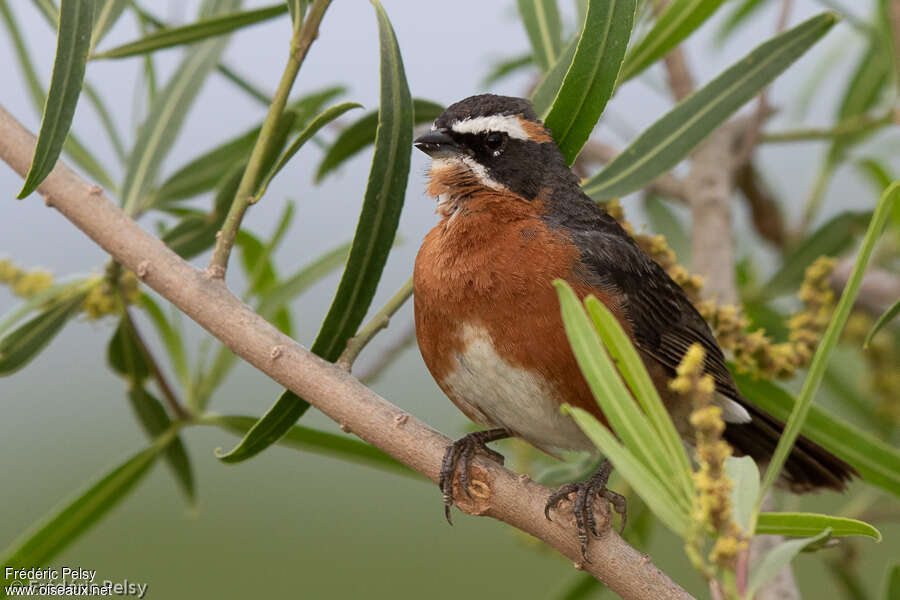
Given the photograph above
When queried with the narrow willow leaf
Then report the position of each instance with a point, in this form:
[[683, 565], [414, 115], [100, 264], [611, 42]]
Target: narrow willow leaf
[[73, 40], [267, 430], [891, 586], [107, 120], [590, 80], [310, 130], [50, 296], [76, 150], [166, 116], [505, 68], [65, 523], [360, 134], [104, 18], [877, 462], [545, 93], [152, 416], [170, 336], [744, 475], [671, 138], [809, 524], [544, 29], [374, 236], [125, 356], [205, 172], [195, 32], [645, 483], [294, 285], [679, 20], [665, 222], [829, 339], [742, 12], [616, 403], [21, 345], [776, 559], [632, 368], [889, 315], [320, 442], [831, 239], [297, 8]]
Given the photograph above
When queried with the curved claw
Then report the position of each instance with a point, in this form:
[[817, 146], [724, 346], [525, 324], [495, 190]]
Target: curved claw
[[586, 494], [459, 455]]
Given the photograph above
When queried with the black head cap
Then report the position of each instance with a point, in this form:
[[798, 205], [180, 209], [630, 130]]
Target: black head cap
[[486, 105]]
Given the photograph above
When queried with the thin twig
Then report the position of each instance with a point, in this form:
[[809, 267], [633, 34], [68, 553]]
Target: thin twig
[[856, 124], [504, 495], [389, 355], [380, 321], [177, 409], [300, 45]]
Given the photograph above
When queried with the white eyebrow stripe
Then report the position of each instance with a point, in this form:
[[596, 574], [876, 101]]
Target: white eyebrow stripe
[[508, 124]]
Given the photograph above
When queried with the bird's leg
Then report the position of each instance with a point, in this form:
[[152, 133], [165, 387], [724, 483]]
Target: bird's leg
[[460, 454], [586, 494]]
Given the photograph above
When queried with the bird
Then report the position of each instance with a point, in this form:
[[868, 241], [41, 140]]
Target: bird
[[512, 219]]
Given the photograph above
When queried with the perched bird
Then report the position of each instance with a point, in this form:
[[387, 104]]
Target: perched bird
[[513, 218]]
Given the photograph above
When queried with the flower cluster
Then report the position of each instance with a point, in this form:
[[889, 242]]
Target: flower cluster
[[883, 356], [712, 503], [102, 298], [25, 284]]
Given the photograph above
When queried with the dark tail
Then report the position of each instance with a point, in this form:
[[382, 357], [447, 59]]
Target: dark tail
[[809, 467]]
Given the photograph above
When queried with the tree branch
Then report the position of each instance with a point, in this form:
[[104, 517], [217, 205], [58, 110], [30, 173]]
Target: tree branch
[[505, 496]]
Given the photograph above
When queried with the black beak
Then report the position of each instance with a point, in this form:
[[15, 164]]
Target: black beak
[[435, 142]]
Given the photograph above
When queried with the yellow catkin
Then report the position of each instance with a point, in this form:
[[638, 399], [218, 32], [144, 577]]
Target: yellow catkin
[[712, 509], [22, 283]]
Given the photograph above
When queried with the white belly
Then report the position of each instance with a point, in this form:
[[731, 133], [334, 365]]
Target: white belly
[[508, 396]]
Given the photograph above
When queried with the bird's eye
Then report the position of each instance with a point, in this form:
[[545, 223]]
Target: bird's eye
[[494, 140]]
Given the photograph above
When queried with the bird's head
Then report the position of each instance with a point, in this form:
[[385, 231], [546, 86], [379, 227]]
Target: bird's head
[[496, 142]]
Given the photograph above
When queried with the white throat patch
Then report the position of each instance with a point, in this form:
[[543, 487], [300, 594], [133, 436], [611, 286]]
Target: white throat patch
[[478, 170], [508, 124]]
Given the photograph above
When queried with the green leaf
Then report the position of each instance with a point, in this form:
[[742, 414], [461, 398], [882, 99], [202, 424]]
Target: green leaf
[[829, 339], [544, 29], [310, 130], [76, 150], [170, 336], [679, 20], [891, 587], [104, 18], [505, 68], [291, 287], [165, 118], [125, 354], [545, 93], [671, 138], [205, 172], [65, 523], [831, 239], [297, 8], [374, 232], [877, 462], [637, 432], [21, 345], [778, 558], [739, 15], [632, 368], [73, 40], [638, 476], [323, 443], [809, 524], [590, 80], [267, 430], [883, 320], [50, 296], [195, 32], [360, 134], [744, 474], [156, 422]]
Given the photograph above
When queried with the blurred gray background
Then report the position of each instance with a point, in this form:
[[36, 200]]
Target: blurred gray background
[[287, 523]]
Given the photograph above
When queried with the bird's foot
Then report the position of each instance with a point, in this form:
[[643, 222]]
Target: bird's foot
[[586, 494], [459, 454]]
